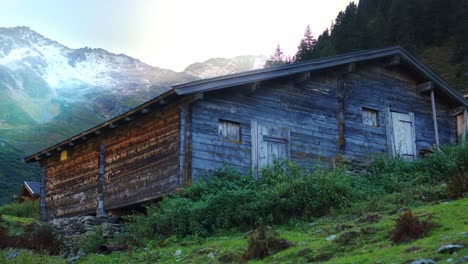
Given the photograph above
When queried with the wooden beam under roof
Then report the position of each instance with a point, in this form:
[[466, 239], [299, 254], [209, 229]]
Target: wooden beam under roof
[[425, 87]]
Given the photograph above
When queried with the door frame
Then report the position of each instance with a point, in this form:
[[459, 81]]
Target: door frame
[[254, 138], [389, 127]]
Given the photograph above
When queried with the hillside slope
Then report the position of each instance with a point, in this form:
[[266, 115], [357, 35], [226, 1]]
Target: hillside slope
[[332, 239]]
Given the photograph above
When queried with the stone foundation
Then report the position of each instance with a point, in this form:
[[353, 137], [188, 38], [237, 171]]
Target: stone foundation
[[71, 230]]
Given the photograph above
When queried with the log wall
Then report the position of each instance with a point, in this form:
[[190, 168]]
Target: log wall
[[141, 164]]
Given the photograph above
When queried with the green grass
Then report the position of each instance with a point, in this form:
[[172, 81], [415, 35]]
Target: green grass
[[27, 257], [372, 245]]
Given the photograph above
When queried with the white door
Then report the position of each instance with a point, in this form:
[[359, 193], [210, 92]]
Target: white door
[[403, 135], [269, 142]]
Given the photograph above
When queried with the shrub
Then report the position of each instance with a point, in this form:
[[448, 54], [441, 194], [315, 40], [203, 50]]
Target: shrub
[[92, 242], [457, 185], [409, 228], [227, 199], [38, 237], [26, 209], [263, 242]]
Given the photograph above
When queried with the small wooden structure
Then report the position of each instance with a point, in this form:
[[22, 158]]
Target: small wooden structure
[[30, 191], [348, 108]]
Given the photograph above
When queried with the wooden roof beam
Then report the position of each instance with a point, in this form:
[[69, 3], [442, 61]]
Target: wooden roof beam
[[425, 87], [456, 111]]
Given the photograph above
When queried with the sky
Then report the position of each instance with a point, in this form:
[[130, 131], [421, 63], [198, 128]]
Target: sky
[[172, 34]]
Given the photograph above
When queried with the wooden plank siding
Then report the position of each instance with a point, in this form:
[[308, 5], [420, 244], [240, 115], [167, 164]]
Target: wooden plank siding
[[141, 164], [310, 110], [142, 159], [313, 130]]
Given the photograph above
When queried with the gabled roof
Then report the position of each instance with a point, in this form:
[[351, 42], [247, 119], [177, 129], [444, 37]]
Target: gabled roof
[[33, 188], [221, 82], [231, 80]]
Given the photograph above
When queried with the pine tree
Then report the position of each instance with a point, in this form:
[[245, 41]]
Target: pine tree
[[306, 46], [276, 59]]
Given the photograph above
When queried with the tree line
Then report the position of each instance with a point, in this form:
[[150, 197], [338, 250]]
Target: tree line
[[412, 24]]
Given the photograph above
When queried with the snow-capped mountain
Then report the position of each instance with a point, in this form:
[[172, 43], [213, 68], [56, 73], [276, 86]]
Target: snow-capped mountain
[[222, 66], [41, 75]]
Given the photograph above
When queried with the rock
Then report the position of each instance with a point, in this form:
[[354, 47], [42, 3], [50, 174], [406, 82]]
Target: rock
[[450, 248], [12, 253], [211, 255], [412, 249], [344, 227], [71, 230], [178, 253], [347, 237], [78, 256], [370, 218], [330, 238], [463, 260], [207, 250], [449, 260], [313, 224], [423, 261]]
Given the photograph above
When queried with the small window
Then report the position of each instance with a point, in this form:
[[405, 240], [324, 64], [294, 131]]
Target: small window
[[63, 155], [370, 117], [229, 130]]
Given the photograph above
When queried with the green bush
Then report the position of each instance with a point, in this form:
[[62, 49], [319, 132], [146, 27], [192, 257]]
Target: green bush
[[92, 242], [26, 209], [226, 199]]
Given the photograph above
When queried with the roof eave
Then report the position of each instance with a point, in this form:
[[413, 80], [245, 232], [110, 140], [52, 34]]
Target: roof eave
[[90, 132], [221, 82]]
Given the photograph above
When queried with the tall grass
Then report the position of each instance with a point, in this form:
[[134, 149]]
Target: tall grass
[[26, 209]]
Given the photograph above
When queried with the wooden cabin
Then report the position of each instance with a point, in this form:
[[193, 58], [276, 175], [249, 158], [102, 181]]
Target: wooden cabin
[[351, 108], [30, 191]]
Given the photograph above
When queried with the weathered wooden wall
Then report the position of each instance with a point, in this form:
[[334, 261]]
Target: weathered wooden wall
[[71, 183], [142, 159], [310, 109], [377, 87], [141, 164]]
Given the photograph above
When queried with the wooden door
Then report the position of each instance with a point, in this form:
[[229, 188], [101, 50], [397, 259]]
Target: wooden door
[[403, 135], [269, 142]]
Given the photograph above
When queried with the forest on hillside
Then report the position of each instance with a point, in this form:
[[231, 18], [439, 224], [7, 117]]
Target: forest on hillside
[[436, 31]]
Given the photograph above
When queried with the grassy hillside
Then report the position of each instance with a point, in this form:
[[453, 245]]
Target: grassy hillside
[[358, 238]]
